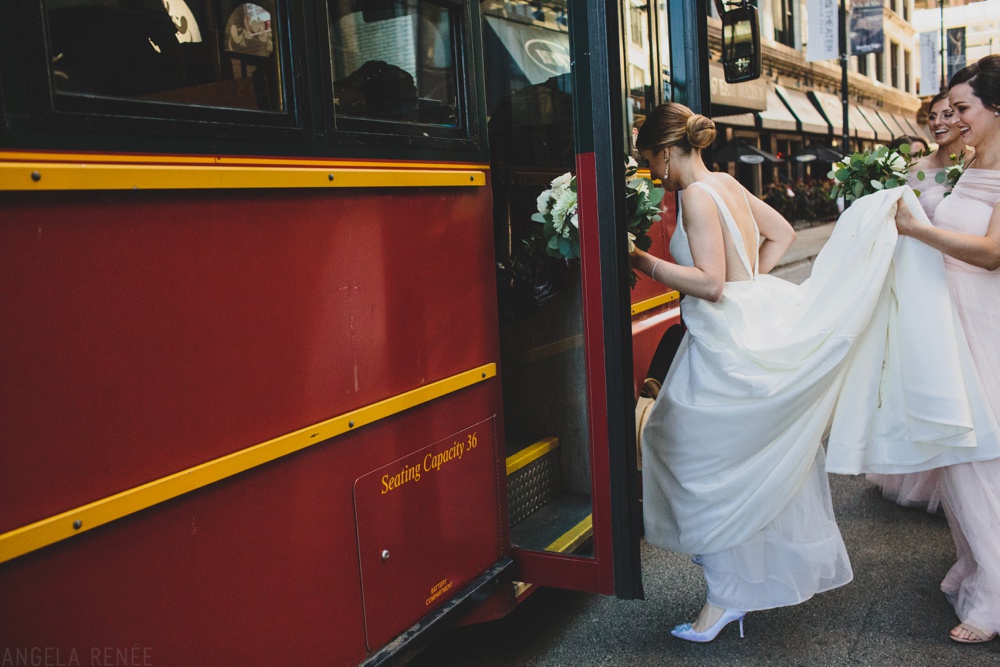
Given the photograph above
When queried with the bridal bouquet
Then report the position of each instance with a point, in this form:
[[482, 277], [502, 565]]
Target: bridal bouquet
[[950, 174], [865, 173], [558, 214]]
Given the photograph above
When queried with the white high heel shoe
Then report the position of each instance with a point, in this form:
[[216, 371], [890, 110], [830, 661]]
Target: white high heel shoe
[[687, 632]]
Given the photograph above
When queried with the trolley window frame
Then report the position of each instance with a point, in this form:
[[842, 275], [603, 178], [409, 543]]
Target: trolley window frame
[[367, 131], [54, 110]]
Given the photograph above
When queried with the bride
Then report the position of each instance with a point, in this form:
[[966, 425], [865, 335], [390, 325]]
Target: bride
[[728, 474]]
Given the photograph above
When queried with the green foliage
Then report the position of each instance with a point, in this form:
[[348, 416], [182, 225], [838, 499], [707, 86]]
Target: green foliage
[[865, 173]]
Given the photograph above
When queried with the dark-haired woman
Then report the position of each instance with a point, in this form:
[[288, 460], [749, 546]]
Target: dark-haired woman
[[967, 230], [724, 476]]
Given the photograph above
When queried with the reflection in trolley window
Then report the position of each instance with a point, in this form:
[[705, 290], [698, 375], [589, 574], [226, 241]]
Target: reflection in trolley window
[[214, 53], [395, 60]]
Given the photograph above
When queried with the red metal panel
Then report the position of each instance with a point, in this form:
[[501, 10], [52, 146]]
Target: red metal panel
[[144, 333], [427, 525], [261, 569]]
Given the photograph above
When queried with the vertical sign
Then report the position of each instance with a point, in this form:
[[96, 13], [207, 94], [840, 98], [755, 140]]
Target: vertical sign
[[930, 63], [956, 50], [824, 30], [866, 27]]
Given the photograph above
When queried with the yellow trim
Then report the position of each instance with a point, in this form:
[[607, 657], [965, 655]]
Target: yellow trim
[[231, 161], [573, 537], [81, 519], [31, 176], [531, 453], [649, 304]]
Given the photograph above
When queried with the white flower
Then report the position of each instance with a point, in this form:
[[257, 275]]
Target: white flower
[[574, 217], [543, 201], [631, 163], [631, 242], [640, 185], [896, 162], [562, 181], [565, 200]]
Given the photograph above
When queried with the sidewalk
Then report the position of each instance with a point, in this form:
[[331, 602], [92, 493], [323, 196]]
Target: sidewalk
[[797, 263]]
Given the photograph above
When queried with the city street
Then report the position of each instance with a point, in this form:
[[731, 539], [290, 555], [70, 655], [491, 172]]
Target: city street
[[891, 614]]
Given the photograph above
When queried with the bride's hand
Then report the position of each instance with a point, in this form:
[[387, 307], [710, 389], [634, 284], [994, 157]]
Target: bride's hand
[[906, 222]]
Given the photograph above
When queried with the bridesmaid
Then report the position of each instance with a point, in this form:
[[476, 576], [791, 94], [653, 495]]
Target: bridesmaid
[[919, 489], [967, 230]]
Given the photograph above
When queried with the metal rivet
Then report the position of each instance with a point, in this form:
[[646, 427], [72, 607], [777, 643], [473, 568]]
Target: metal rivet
[[77, 525], [472, 178], [330, 177], [36, 176], [351, 423], [484, 374], [385, 554]]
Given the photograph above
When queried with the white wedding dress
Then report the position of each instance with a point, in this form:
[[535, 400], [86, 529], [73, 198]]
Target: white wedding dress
[[732, 457]]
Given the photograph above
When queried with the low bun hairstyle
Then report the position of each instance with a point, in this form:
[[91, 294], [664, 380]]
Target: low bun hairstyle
[[673, 124], [983, 76]]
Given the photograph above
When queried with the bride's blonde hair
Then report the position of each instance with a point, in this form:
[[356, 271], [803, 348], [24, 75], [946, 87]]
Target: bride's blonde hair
[[673, 124]]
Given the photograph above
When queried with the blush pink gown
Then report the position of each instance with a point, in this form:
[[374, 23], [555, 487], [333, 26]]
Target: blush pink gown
[[916, 489], [970, 492]]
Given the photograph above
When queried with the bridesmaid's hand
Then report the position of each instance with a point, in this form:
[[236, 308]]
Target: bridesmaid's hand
[[906, 222]]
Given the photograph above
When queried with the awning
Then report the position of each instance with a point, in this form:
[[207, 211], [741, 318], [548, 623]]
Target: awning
[[809, 118], [893, 122], [740, 120], [735, 98], [832, 109], [775, 117], [882, 132], [859, 125], [918, 130]]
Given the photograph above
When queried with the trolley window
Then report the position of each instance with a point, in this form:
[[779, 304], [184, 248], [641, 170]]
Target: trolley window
[[396, 66], [206, 53]]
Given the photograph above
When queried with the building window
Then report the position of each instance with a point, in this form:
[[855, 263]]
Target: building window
[[906, 72], [880, 67], [863, 64], [894, 64], [783, 12]]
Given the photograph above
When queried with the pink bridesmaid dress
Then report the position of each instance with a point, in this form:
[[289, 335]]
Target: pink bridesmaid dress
[[970, 492]]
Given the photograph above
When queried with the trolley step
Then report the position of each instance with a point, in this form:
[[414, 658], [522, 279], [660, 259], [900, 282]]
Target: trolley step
[[532, 476], [563, 525], [541, 516]]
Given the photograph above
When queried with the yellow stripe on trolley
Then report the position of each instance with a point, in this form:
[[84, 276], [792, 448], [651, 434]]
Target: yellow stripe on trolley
[[62, 526], [531, 453], [649, 304], [574, 537], [31, 176]]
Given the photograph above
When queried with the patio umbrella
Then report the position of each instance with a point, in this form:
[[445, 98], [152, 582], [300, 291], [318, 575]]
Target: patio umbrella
[[739, 150], [819, 152]]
